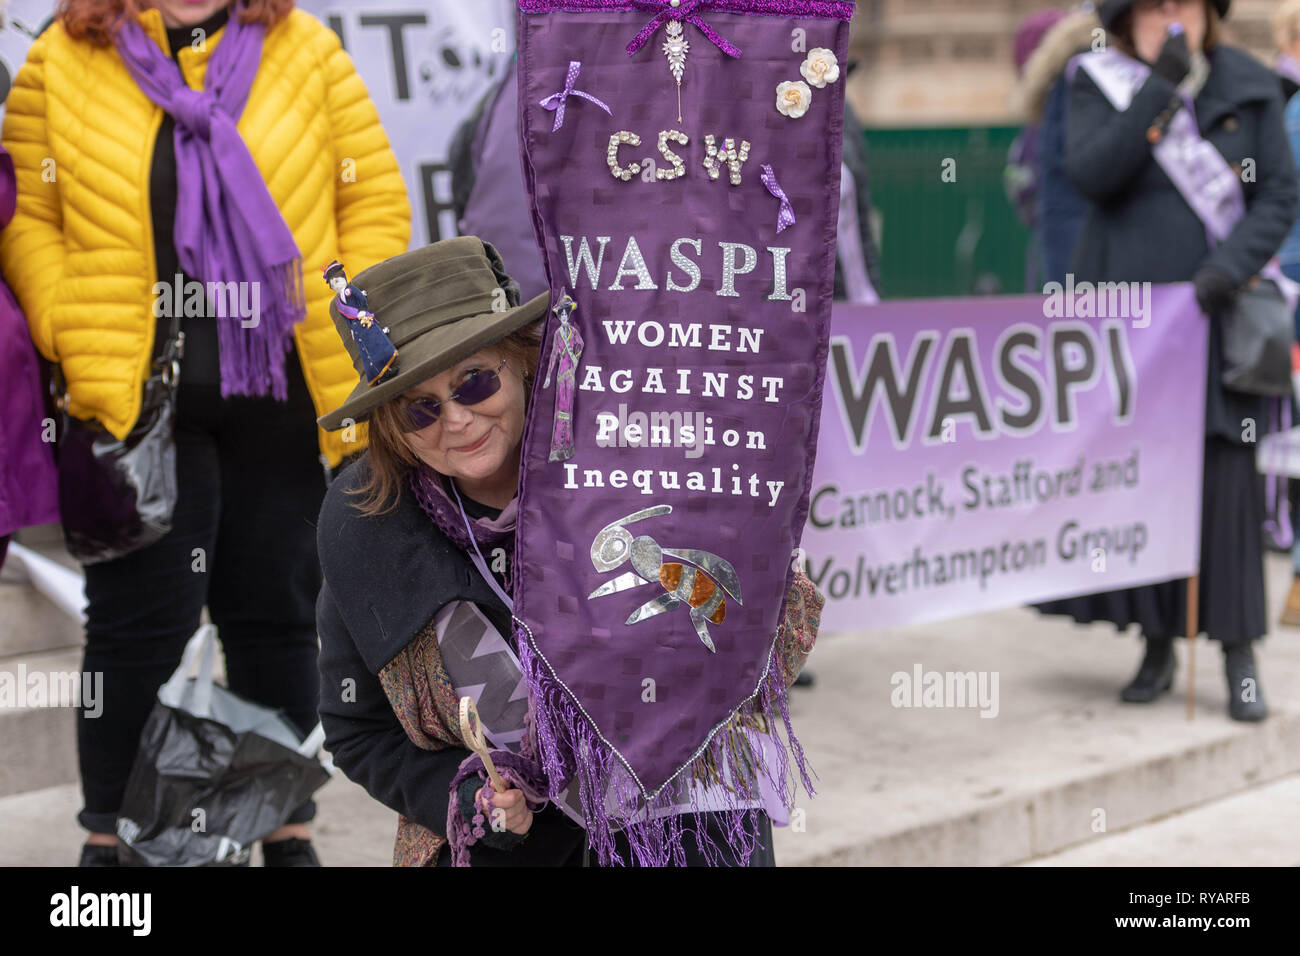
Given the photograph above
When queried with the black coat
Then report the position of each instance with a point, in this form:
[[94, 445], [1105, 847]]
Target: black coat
[[385, 577], [1139, 228]]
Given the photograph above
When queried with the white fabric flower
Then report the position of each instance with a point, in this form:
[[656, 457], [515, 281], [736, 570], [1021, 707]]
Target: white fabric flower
[[821, 67], [793, 98]]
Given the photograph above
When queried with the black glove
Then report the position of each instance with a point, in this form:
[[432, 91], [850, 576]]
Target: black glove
[[1174, 61], [1215, 290]]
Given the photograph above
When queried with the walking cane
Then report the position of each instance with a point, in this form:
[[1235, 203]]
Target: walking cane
[[471, 731], [1193, 628]]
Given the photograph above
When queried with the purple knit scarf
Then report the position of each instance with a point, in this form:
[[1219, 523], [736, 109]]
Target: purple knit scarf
[[432, 495], [228, 228]]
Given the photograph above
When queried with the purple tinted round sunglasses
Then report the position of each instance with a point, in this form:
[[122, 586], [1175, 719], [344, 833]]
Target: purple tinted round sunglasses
[[478, 387]]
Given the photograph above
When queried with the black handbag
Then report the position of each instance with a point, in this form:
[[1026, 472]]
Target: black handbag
[[1257, 337], [117, 495]]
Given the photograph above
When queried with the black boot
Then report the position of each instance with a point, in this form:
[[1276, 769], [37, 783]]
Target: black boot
[[291, 852], [92, 854], [1155, 676], [1245, 695]]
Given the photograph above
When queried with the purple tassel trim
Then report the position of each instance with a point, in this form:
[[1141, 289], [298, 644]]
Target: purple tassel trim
[[253, 357], [816, 9], [570, 750]]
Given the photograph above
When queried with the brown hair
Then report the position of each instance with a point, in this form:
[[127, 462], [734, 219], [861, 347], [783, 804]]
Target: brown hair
[[95, 20], [391, 458], [1122, 30]]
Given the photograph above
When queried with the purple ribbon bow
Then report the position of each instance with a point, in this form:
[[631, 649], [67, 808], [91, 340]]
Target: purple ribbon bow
[[556, 101], [785, 218], [675, 10]]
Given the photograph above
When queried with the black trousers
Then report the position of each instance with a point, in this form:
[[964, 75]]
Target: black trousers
[[250, 485]]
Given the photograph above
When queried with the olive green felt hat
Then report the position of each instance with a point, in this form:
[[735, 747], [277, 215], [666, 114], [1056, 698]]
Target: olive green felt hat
[[440, 303]]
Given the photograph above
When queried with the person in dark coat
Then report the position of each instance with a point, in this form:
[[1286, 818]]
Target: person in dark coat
[[376, 537], [1020, 176], [1043, 97], [397, 552], [1139, 228], [366, 615]]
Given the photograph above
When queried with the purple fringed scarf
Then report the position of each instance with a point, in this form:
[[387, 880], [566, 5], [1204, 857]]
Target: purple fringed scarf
[[431, 494], [228, 228]]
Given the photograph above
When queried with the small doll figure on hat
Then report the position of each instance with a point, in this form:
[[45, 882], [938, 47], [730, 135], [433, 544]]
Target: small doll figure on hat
[[378, 354]]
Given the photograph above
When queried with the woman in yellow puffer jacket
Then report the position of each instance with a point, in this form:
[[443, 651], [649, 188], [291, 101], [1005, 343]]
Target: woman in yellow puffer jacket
[[150, 162]]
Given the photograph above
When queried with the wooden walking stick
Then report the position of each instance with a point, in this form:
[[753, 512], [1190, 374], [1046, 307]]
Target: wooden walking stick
[[471, 731], [1193, 628]]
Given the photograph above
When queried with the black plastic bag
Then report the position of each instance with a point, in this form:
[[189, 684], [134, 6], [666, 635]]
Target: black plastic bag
[[214, 772]]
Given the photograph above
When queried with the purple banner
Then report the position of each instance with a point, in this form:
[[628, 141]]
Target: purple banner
[[668, 455], [986, 453]]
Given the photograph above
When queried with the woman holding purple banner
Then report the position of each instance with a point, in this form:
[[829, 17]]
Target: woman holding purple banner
[[1149, 221], [435, 500]]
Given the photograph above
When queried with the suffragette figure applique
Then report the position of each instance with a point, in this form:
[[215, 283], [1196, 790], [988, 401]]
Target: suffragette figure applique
[[566, 352], [682, 159], [378, 354]]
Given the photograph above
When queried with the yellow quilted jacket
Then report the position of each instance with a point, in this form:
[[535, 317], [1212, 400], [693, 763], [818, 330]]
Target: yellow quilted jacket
[[79, 251]]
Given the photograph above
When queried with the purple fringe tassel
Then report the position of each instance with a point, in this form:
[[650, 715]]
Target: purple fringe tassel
[[654, 831], [252, 358]]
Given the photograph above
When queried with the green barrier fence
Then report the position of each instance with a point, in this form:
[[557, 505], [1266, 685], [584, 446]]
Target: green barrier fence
[[941, 238]]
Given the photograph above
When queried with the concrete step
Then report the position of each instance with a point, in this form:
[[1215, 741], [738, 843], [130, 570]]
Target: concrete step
[[1260, 827], [946, 787], [28, 622], [31, 624], [898, 785], [38, 744], [39, 828]]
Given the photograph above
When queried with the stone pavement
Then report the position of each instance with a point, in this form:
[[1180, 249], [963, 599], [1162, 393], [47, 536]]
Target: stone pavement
[[1063, 774]]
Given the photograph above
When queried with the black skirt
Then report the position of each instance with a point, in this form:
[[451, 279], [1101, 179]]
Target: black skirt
[[1232, 606]]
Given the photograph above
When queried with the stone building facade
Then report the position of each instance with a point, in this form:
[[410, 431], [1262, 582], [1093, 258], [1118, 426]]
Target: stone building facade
[[949, 62]]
